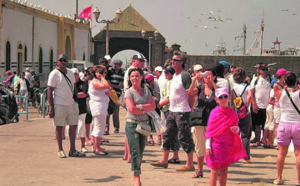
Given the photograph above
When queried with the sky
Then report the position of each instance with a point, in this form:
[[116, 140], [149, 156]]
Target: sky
[[191, 24]]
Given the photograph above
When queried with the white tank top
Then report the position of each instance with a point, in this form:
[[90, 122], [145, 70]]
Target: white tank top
[[288, 111]]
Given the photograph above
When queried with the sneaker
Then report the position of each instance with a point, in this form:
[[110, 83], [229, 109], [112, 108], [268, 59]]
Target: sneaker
[[76, 154], [61, 154], [84, 150], [116, 131]]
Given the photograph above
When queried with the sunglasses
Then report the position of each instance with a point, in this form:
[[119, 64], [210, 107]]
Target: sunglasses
[[141, 60], [63, 60], [167, 73], [225, 97], [264, 69], [176, 60]]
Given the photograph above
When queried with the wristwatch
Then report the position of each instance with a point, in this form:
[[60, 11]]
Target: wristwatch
[[141, 106]]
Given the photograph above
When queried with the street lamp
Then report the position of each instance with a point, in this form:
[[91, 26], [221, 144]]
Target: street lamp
[[156, 33], [116, 20]]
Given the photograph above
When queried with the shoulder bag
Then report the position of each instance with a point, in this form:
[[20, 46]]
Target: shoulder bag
[[288, 94], [75, 97]]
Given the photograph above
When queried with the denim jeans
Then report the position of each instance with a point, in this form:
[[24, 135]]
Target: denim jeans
[[137, 143]]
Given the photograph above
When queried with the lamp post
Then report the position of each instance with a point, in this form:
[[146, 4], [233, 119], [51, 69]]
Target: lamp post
[[156, 33], [119, 14]]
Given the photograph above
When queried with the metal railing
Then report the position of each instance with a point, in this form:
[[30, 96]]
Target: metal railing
[[44, 102], [26, 104]]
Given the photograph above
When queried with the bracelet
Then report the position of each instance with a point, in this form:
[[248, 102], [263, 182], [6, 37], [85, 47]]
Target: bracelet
[[141, 106]]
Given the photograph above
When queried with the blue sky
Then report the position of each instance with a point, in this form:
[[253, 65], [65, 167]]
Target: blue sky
[[187, 22]]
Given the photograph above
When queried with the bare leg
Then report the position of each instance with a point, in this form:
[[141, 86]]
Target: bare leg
[[200, 161], [87, 132], [282, 151], [257, 134], [137, 180], [297, 155], [213, 177], [72, 136], [189, 162], [264, 140], [58, 131], [270, 138], [82, 140], [165, 156], [63, 132], [176, 154], [223, 176]]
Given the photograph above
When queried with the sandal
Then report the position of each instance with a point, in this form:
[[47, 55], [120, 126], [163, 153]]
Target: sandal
[[174, 160], [198, 174], [103, 153], [275, 182], [89, 143], [150, 143], [76, 154], [105, 140], [253, 141], [256, 144]]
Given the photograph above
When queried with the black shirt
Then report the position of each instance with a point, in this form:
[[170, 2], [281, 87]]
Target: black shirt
[[81, 101]]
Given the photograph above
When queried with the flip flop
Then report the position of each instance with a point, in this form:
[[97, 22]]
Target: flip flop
[[277, 182], [150, 143], [103, 153], [174, 161], [198, 174]]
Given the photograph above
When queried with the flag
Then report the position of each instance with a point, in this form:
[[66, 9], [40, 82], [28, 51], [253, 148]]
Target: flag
[[86, 13]]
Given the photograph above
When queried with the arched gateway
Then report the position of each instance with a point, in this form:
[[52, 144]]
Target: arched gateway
[[127, 35]]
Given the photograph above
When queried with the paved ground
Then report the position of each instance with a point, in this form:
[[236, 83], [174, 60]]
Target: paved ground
[[28, 157]]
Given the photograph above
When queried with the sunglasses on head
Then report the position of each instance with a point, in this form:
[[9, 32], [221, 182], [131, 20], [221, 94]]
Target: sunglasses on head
[[264, 69], [176, 60], [225, 97]]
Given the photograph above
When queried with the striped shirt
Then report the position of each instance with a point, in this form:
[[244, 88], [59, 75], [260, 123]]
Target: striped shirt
[[116, 79]]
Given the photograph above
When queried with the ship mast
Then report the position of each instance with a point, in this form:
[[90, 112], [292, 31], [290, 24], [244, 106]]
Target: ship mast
[[262, 26]]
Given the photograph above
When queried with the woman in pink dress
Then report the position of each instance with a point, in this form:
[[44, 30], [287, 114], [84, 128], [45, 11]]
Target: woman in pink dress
[[223, 144]]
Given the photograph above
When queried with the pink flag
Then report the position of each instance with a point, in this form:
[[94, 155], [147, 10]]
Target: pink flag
[[86, 13]]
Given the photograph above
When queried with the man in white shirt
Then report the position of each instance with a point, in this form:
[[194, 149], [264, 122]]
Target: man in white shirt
[[261, 87], [178, 118], [62, 106]]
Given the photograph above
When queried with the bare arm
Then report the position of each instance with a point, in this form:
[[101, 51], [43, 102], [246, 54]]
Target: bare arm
[[101, 85], [135, 109], [50, 101]]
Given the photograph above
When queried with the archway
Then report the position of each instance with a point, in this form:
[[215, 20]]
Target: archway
[[68, 47], [20, 58], [7, 56]]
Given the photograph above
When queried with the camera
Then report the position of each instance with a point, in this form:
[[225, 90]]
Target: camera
[[203, 74]]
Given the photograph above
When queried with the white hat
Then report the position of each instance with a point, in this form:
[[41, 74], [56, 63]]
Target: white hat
[[107, 57], [75, 70], [221, 91], [198, 67], [159, 68], [28, 69]]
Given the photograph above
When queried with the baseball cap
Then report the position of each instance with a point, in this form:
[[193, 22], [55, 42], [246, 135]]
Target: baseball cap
[[198, 67], [107, 57], [75, 70], [171, 70], [149, 77], [281, 71], [138, 56], [159, 68], [62, 57], [221, 91], [225, 64], [117, 61]]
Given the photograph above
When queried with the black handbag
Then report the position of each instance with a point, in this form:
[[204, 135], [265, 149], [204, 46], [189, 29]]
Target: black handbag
[[111, 107], [196, 117]]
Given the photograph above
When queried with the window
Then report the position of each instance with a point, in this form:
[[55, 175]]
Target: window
[[40, 60], [83, 57], [25, 53], [51, 60], [7, 56]]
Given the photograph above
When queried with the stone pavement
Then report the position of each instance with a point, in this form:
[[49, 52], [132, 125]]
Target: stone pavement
[[28, 157]]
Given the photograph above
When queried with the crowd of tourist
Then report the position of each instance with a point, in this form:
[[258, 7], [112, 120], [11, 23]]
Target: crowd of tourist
[[210, 111]]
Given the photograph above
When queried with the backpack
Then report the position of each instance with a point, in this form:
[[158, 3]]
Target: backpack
[[240, 107]]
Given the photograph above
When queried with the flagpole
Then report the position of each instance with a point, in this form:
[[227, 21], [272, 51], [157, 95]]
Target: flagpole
[[76, 15]]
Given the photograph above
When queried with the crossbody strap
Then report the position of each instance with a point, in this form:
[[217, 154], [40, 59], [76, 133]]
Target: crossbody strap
[[68, 81], [288, 94], [242, 92]]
